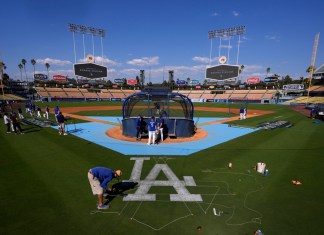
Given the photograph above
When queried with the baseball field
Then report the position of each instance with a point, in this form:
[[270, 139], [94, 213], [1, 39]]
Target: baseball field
[[179, 187]]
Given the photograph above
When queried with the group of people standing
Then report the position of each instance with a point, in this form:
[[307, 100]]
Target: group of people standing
[[32, 109], [12, 123], [154, 128]]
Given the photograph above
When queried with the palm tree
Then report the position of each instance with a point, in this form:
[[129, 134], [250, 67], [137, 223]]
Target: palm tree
[[33, 62], [268, 70], [20, 66], [47, 65], [23, 61], [310, 69]]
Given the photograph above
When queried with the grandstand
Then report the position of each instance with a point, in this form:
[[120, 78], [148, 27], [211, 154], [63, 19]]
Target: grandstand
[[196, 94], [316, 91], [73, 93], [117, 94], [51, 93], [254, 96], [11, 97], [105, 94]]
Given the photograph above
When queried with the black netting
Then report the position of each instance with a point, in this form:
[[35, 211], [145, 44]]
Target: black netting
[[158, 103]]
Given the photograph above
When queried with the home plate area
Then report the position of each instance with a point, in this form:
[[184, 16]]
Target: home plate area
[[163, 197]]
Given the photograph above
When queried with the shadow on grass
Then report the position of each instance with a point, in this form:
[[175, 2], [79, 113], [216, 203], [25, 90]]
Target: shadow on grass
[[118, 189]]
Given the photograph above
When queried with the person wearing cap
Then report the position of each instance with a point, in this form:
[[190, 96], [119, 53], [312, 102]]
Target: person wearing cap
[[60, 121], [139, 121], [151, 130], [99, 177]]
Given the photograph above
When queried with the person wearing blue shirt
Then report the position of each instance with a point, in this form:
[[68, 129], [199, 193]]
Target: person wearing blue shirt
[[241, 113], [139, 121], [99, 177], [60, 121], [56, 111], [151, 129]]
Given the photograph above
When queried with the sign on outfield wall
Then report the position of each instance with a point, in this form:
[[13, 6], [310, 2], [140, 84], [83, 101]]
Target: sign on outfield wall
[[40, 76], [131, 81], [59, 78], [119, 81], [181, 82], [271, 79], [194, 82], [89, 70], [222, 72], [293, 87], [253, 80]]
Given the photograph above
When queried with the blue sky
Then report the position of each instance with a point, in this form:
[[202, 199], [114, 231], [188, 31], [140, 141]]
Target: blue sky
[[159, 36]]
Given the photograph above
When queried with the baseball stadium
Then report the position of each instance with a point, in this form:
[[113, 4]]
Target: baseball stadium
[[218, 156], [207, 183]]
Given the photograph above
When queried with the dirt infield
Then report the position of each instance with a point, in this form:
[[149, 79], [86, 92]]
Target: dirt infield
[[116, 132]]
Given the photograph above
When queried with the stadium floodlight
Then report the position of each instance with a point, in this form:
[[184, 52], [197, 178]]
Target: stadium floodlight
[[86, 30], [76, 28], [226, 32]]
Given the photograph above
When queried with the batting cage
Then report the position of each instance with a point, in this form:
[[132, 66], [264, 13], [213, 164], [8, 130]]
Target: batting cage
[[176, 110]]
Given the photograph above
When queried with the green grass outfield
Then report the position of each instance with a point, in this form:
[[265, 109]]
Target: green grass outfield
[[44, 187]]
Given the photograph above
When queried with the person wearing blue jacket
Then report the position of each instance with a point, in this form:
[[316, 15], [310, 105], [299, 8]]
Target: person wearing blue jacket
[[99, 177]]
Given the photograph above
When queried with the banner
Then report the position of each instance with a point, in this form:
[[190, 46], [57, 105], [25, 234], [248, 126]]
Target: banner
[[131, 81], [271, 79], [194, 82], [119, 81], [40, 76], [253, 80], [181, 82], [59, 78], [293, 87]]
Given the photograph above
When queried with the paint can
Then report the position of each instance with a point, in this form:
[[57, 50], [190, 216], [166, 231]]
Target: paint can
[[230, 165], [266, 172]]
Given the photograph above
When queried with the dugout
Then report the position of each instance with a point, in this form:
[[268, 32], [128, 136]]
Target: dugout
[[176, 109]]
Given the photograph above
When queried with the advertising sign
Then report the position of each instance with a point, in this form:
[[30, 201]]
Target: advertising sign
[[89, 70], [40, 76], [271, 79], [131, 81], [222, 72], [119, 81], [181, 82], [198, 87], [293, 87], [59, 78], [253, 80], [194, 82]]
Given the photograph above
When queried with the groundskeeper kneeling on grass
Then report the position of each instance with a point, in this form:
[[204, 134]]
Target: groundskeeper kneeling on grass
[[99, 177]]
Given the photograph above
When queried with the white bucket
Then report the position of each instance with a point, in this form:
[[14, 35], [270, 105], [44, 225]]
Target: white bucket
[[261, 167]]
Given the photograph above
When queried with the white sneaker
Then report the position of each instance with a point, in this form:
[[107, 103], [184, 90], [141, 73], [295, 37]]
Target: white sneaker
[[148, 144], [103, 207]]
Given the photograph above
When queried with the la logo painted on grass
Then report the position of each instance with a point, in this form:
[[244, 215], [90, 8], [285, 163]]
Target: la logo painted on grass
[[145, 185]]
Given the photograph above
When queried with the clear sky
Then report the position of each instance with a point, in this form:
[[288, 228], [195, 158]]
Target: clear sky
[[160, 35]]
